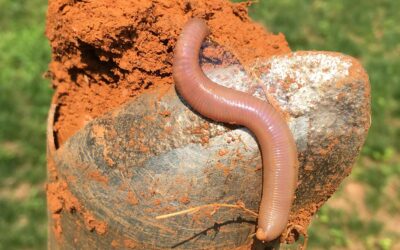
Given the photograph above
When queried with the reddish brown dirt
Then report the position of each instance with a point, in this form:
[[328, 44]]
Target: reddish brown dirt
[[105, 54], [59, 198], [131, 198]]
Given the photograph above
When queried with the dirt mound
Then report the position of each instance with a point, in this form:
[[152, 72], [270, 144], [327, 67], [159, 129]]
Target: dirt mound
[[105, 54]]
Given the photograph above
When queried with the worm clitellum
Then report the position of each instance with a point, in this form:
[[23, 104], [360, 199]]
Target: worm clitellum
[[278, 149]]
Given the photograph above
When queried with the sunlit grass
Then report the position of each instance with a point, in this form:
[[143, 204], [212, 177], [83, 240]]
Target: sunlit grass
[[24, 101]]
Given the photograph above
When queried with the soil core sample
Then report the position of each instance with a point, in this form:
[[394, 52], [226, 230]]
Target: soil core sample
[[123, 148]]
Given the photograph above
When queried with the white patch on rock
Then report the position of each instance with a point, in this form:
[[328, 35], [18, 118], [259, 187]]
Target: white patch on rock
[[297, 79], [299, 82]]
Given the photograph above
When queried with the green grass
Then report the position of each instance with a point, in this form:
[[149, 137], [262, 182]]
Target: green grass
[[367, 30], [24, 101]]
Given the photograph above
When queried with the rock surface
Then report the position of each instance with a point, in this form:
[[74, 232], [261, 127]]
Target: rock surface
[[154, 155]]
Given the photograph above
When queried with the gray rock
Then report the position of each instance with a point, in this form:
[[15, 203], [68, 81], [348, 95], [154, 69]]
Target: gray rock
[[169, 158]]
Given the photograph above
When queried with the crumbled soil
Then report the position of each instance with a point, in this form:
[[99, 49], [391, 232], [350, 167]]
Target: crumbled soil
[[104, 54], [59, 198]]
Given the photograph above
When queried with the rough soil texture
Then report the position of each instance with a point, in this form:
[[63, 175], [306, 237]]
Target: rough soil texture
[[113, 61], [107, 52]]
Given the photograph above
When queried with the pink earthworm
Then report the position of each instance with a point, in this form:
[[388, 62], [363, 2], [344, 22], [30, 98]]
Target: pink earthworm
[[219, 103]]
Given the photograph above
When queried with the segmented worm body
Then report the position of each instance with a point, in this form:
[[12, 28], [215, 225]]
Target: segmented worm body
[[278, 149]]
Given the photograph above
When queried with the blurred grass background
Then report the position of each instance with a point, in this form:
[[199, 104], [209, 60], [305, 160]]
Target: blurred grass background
[[363, 214], [24, 102]]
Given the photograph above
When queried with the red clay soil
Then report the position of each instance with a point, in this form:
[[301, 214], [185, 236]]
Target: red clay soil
[[107, 52], [60, 198]]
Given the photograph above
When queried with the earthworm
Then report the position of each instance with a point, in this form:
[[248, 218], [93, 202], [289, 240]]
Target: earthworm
[[222, 104]]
